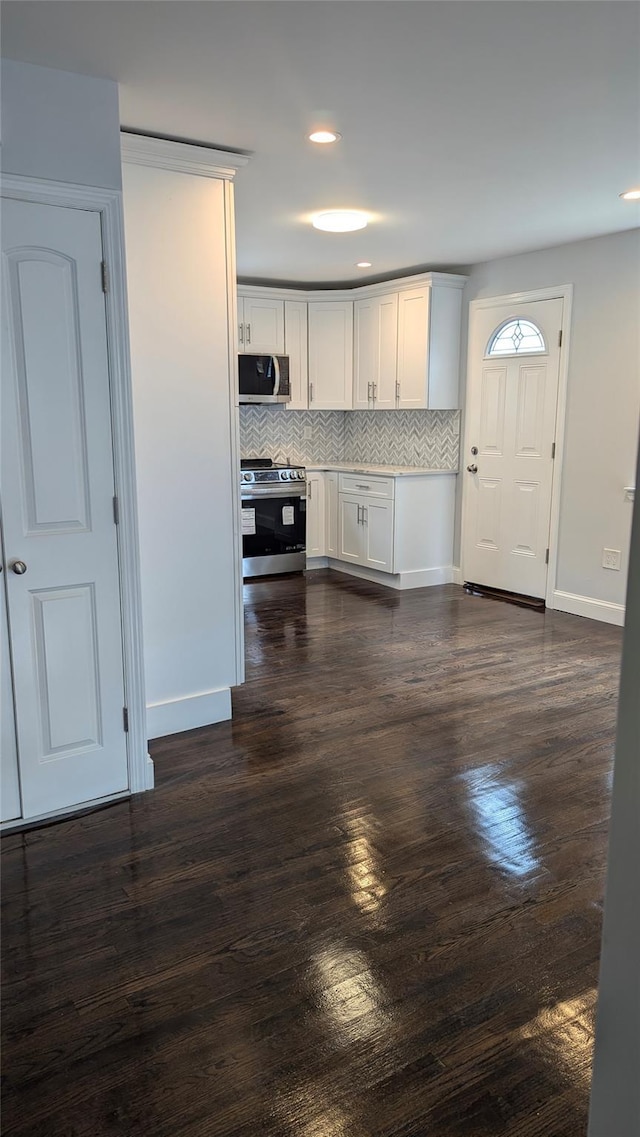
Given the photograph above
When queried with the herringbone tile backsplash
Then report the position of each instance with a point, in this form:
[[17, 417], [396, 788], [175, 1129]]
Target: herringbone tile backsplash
[[399, 438]]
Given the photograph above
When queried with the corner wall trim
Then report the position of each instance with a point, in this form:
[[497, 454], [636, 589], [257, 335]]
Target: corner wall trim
[[189, 712], [587, 606], [456, 575]]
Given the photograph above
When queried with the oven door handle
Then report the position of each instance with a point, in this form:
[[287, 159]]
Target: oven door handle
[[284, 492]]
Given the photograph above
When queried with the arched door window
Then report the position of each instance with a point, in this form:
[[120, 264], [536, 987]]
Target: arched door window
[[516, 337]]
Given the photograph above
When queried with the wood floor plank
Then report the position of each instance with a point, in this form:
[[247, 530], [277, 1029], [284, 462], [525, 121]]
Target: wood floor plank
[[369, 906]]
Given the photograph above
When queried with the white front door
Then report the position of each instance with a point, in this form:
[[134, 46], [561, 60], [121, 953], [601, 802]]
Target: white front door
[[60, 539], [507, 463]]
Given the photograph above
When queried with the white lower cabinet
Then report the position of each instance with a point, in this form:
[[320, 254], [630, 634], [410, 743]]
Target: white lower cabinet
[[316, 519], [331, 513], [366, 532], [397, 527]]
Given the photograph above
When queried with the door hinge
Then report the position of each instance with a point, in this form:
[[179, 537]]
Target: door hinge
[[125, 719], [546, 557], [560, 338], [104, 276], [116, 511], [553, 450]]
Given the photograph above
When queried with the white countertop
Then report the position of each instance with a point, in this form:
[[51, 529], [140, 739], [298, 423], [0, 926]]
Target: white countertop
[[369, 468]]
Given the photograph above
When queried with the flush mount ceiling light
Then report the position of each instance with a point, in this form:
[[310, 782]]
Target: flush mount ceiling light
[[340, 220], [363, 264], [325, 136], [631, 195]]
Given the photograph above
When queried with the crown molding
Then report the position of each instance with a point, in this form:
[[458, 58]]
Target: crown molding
[[361, 292], [184, 157]]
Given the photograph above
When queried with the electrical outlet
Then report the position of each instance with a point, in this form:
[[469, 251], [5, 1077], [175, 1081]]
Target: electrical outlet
[[629, 493], [611, 558], [307, 433]]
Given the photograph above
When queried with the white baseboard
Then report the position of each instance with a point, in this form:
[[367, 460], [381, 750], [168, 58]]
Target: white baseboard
[[189, 712], [456, 575], [587, 606], [423, 578], [316, 563]]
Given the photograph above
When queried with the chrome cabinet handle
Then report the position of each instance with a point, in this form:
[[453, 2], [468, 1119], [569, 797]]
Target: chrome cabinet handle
[[309, 487], [311, 392], [473, 469], [359, 508], [248, 333], [359, 487], [375, 391], [241, 329], [369, 392], [365, 512], [19, 567]]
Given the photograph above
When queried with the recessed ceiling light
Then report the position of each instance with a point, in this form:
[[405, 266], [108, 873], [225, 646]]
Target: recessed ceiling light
[[340, 220], [631, 195], [325, 136], [363, 264]]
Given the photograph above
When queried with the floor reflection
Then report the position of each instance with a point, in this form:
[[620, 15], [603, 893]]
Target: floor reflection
[[501, 821], [351, 998], [565, 1031]]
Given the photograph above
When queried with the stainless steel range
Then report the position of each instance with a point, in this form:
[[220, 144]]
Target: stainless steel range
[[274, 517]]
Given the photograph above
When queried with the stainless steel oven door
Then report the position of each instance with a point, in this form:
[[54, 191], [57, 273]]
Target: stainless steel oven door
[[274, 526]]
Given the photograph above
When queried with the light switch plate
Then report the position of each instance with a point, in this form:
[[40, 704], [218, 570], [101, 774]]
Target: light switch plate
[[629, 493]]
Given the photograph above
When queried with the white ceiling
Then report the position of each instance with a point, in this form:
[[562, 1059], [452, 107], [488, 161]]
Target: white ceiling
[[471, 129]]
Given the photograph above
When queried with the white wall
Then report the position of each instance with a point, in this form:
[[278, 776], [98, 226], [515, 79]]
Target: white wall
[[176, 266], [615, 1092], [60, 126], [603, 396]]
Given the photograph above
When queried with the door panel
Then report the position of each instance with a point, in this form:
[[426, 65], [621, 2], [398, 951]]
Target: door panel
[[296, 347], [511, 407], [57, 474], [378, 534], [385, 393], [331, 355], [9, 783], [350, 529], [413, 348], [366, 361], [263, 326]]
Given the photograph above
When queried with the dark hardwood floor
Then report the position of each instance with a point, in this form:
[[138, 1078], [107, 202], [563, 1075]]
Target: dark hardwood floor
[[368, 907]]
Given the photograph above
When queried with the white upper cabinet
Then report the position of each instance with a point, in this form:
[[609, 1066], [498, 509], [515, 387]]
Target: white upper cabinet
[[376, 342], [428, 347], [260, 325], [296, 347], [331, 355]]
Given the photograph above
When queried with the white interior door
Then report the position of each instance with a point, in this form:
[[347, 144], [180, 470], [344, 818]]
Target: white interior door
[[9, 784], [59, 534], [512, 396]]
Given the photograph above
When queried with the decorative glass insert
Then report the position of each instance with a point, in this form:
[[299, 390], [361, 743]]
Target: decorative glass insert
[[516, 337]]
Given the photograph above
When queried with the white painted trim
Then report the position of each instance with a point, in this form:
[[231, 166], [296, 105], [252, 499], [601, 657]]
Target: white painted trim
[[316, 563], [205, 161], [456, 575], [108, 203], [421, 578], [603, 610], [234, 426], [189, 712], [562, 292]]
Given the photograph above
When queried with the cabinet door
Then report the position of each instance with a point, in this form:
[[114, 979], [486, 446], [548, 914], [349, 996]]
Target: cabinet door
[[350, 528], [331, 513], [366, 355], [296, 347], [387, 340], [331, 355], [263, 321], [376, 349], [413, 348], [315, 538], [378, 534]]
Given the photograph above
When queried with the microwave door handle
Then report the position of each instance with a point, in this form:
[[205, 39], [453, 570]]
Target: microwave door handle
[[276, 368]]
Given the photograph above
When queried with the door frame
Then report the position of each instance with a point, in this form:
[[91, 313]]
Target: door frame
[[562, 292], [108, 204]]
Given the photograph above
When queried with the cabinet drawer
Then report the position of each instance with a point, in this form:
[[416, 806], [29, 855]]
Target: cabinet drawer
[[370, 484]]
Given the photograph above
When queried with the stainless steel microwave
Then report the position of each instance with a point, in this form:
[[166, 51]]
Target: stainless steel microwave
[[264, 378]]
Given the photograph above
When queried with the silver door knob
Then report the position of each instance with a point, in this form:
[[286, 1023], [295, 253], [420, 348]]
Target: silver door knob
[[19, 567], [473, 469]]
